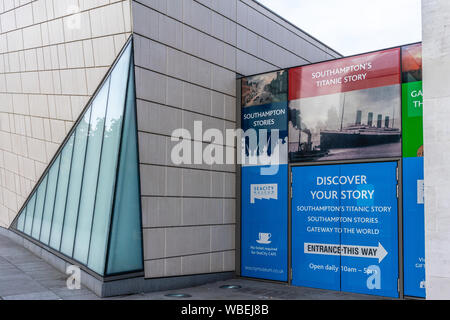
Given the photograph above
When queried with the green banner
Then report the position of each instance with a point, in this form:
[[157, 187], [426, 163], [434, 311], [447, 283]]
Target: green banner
[[412, 110]]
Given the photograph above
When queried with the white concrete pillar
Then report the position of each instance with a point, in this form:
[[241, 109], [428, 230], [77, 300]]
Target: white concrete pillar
[[436, 117]]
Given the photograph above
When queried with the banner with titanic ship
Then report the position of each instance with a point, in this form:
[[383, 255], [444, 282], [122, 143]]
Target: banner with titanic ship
[[346, 109]]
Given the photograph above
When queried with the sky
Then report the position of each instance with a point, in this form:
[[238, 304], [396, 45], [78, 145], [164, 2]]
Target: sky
[[354, 26]]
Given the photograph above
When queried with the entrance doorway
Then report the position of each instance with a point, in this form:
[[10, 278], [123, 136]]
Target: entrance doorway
[[345, 227]]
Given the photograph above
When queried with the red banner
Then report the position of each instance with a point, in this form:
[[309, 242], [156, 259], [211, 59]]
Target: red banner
[[366, 71]]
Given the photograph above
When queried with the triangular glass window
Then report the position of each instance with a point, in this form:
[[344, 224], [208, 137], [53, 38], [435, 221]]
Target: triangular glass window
[[87, 204]]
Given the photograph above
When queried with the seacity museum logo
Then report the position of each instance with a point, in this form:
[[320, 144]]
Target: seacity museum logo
[[263, 191]]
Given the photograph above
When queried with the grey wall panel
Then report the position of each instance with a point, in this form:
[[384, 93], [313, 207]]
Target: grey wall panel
[[53, 55], [187, 55]]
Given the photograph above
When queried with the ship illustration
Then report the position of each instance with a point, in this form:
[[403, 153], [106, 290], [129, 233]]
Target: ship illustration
[[361, 135], [357, 135], [305, 151]]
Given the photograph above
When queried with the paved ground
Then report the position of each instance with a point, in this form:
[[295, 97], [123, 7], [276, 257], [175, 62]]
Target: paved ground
[[24, 276], [253, 290]]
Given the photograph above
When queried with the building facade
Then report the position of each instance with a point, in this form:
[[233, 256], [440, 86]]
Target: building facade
[[58, 63]]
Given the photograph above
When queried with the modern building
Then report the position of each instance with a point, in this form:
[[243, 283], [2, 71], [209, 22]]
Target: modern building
[[90, 94]]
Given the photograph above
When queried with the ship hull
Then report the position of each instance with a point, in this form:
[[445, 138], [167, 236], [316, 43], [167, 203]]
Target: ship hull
[[333, 140], [300, 156]]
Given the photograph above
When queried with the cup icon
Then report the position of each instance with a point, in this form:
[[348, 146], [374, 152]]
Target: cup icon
[[264, 238]]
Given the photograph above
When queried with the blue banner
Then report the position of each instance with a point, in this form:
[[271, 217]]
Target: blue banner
[[264, 193], [314, 226], [413, 227], [268, 116], [270, 136], [264, 224], [344, 228]]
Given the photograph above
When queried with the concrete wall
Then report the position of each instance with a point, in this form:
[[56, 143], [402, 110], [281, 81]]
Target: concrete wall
[[51, 61], [187, 54], [436, 117]]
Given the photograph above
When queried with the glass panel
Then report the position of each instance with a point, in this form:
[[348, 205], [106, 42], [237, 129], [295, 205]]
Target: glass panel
[[108, 164], [71, 209], [91, 168], [49, 201], [39, 208], [30, 214], [21, 220], [76, 177], [125, 249], [61, 194]]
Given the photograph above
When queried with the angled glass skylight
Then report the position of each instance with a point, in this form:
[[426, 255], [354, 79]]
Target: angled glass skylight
[[87, 204]]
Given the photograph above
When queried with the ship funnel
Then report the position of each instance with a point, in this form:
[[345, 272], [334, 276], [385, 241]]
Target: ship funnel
[[386, 122], [379, 120], [358, 117], [370, 119]]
